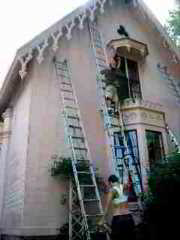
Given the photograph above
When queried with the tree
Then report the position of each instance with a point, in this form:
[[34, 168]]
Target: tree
[[162, 200], [173, 25]]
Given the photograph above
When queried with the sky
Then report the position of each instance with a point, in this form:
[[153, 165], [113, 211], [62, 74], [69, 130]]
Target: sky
[[21, 20]]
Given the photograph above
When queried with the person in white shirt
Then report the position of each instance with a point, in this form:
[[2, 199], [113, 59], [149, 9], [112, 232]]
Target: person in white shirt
[[122, 221]]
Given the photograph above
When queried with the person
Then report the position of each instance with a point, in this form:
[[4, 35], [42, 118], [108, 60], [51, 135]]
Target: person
[[122, 222]]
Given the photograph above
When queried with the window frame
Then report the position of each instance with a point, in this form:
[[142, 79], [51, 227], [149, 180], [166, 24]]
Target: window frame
[[162, 149], [132, 94]]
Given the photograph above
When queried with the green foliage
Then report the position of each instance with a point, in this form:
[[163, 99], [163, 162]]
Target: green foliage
[[61, 166], [164, 179], [162, 200], [64, 232], [173, 25]]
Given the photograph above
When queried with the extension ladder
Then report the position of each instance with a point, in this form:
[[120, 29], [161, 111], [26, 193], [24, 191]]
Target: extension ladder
[[170, 81], [113, 122], [84, 211], [173, 138]]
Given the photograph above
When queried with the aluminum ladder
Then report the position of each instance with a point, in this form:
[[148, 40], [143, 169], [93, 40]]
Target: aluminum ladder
[[85, 203], [113, 122], [173, 138]]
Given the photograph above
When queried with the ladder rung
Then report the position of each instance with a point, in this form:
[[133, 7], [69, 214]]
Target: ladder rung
[[63, 76], [66, 83], [73, 117], [83, 172], [69, 99], [94, 215], [118, 146], [70, 107], [77, 137], [66, 90], [91, 200], [114, 125], [86, 185], [87, 162], [80, 148], [73, 126]]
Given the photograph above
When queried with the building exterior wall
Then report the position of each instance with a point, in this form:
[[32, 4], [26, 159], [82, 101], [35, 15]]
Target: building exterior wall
[[38, 126], [15, 162]]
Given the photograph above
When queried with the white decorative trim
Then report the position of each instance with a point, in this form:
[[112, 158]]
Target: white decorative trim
[[56, 39], [92, 10], [81, 18], [41, 47], [24, 61], [101, 3], [137, 102], [42, 43], [69, 28]]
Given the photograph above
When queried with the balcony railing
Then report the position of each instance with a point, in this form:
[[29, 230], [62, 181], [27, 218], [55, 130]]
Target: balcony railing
[[140, 103]]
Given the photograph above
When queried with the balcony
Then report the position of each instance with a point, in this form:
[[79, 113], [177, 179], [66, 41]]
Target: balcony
[[129, 47], [138, 111]]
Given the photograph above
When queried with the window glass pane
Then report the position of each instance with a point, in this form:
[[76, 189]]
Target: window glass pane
[[155, 146], [134, 82]]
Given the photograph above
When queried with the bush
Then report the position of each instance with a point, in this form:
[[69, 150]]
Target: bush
[[61, 166], [162, 200]]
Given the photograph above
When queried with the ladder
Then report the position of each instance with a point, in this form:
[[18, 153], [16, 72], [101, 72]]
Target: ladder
[[172, 83], [173, 138], [113, 122], [85, 203], [175, 88]]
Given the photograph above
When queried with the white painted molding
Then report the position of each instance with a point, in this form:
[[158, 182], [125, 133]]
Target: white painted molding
[[101, 3], [69, 28], [41, 47], [41, 44], [24, 61], [92, 10], [81, 18], [56, 39]]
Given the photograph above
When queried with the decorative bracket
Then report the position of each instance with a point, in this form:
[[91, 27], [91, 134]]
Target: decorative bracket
[[92, 11], [81, 20], [101, 3], [24, 61], [56, 39], [69, 28], [41, 47]]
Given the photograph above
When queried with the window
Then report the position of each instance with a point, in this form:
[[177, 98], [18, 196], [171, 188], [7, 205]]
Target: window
[[120, 152], [129, 68], [155, 146]]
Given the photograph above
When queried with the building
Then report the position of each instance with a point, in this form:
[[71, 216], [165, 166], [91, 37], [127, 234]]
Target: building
[[33, 130]]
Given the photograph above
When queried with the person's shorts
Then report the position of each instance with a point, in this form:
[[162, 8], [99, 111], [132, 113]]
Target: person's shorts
[[122, 227]]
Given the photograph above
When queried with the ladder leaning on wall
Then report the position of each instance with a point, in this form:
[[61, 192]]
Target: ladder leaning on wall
[[176, 92], [84, 200], [113, 122], [173, 138]]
